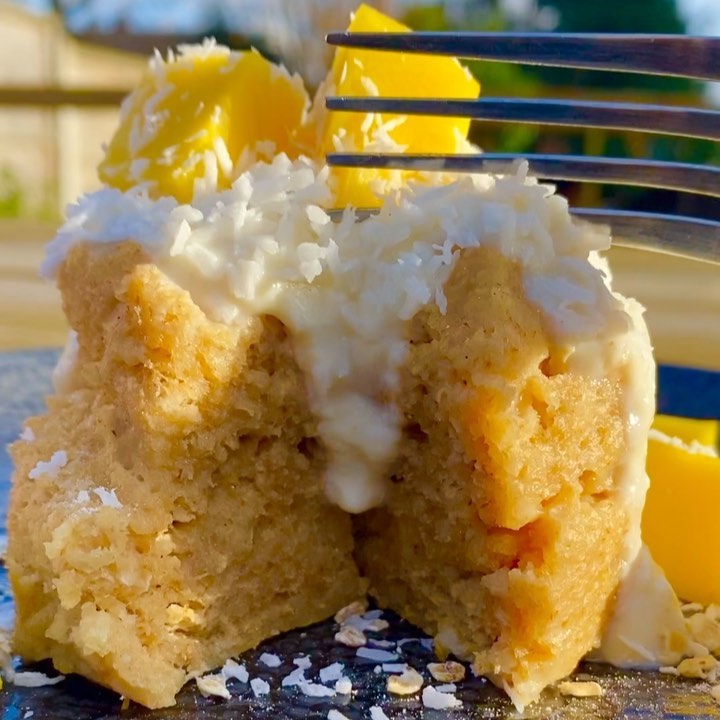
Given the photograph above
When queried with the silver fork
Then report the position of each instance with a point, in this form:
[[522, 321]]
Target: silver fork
[[681, 56]]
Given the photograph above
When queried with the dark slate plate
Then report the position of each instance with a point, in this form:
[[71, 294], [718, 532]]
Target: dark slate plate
[[24, 380]]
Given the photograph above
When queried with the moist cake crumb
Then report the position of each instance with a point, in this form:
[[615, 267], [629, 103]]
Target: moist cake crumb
[[351, 637], [580, 689], [408, 683], [447, 672]]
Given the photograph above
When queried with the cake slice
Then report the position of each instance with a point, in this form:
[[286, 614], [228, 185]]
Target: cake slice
[[170, 511]]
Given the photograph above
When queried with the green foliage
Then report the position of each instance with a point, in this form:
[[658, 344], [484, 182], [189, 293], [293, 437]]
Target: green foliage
[[12, 197]]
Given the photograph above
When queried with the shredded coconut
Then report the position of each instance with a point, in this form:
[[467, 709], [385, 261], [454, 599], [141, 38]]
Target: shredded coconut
[[259, 687], [270, 660], [375, 654], [107, 497], [408, 683], [316, 690], [232, 670], [296, 677], [434, 700], [27, 434], [58, 460], [33, 679], [334, 714], [343, 686], [213, 685], [331, 672]]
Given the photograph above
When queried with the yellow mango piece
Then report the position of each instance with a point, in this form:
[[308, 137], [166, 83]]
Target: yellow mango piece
[[705, 432], [372, 72], [193, 116], [681, 518]]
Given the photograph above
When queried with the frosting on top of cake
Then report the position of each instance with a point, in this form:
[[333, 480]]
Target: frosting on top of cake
[[346, 289]]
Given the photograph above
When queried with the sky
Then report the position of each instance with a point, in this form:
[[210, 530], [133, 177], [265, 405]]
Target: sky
[[703, 16]]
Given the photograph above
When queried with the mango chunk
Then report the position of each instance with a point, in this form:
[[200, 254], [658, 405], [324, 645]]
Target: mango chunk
[[192, 117], [372, 72], [705, 432], [682, 514]]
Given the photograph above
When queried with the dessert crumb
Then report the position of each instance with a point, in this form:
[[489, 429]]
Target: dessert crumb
[[447, 672], [358, 607], [350, 637], [408, 683]]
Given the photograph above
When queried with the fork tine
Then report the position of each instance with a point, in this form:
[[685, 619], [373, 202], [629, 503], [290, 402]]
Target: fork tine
[[682, 56], [689, 237], [685, 121], [684, 177], [695, 238]]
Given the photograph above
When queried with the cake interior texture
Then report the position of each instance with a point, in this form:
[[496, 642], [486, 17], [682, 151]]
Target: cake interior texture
[[502, 534], [185, 520]]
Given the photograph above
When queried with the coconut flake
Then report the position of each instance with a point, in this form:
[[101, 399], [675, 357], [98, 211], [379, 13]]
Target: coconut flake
[[316, 690], [270, 660], [58, 460], [213, 686], [259, 687], [435, 700], [377, 713], [331, 672], [343, 686], [107, 497], [375, 655], [232, 670], [33, 679]]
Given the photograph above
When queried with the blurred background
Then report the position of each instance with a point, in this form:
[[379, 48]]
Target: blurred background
[[66, 64]]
